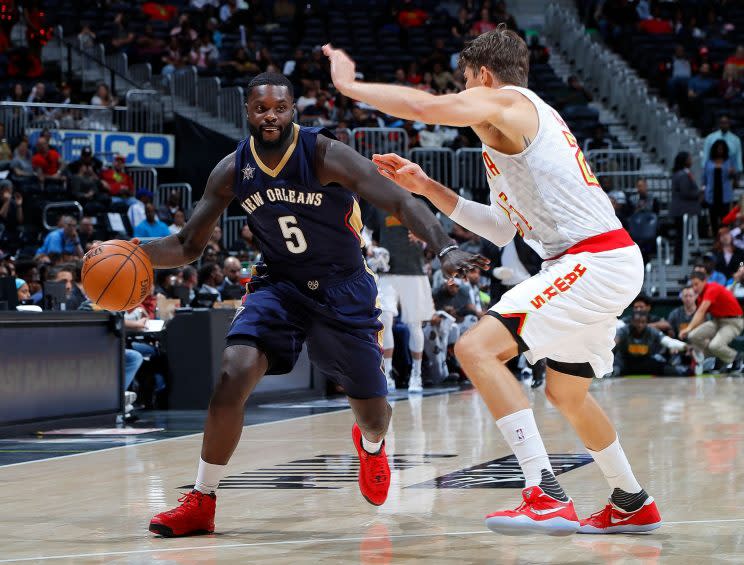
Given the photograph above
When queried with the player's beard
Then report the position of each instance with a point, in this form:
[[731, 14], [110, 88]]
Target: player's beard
[[257, 135]]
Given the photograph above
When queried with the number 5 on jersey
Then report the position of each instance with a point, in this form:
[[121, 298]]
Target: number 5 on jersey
[[293, 236]]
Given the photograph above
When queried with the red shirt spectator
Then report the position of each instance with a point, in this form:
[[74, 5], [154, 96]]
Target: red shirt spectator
[[656, 26], [45, 159], [723, 303], [484, 24], [117, 178], [737, 59], [412, 17]]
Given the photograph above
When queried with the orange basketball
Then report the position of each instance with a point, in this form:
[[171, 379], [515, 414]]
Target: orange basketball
[[117, 275]]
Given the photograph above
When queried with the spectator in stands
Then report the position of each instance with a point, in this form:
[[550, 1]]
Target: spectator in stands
[[680, 317], [462, 25], [708, 267], [686, 196], [11, 210], [732, 141], [190, 280], [700, 86], [120, 185], [715, 335], [642, 304], [167, 210], [681, 73], [37, 95], [73, 295], [575, 95], [136, 212], [728, 257], [718, 177], [539, 54], [736, 285], [240, 64], [22, 290], [87, 233], [151, 226], [215, 241], [466, 239], [21, 167], [598, 140], [641, 200], [411, 15], [473, 285], [87, 187], [640, 348], [148, 46], [210, 277], [103, 97], [16, 94], [245, 246], [208, 52], [86, 37], [63, 241], [179, 220], [46, 162], [502, 16], [231, 289], [228, 10], [731, 84], [122, 37], [317, 112], [442, 78], [454, 299], [29, 272], [484, 24], [173, 59]]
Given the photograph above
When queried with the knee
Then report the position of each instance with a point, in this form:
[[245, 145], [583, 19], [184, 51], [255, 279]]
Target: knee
[[239, 374], [471, 347], [375, 422], [566, 402]]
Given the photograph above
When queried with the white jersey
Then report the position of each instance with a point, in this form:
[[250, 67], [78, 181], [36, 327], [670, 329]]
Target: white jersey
[[548, 190]]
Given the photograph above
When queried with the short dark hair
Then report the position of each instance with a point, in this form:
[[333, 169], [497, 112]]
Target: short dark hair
[[680, 161], [276, 79], [642, 298], [698, 275], [188, 272], [205, 272], [716, 144], [502, 52]]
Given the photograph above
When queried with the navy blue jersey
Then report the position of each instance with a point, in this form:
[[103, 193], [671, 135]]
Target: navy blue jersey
[[305, 230]]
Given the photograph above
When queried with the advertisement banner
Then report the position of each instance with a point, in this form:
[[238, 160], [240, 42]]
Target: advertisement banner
[[140, 149]]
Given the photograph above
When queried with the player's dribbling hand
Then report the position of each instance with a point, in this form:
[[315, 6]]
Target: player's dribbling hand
[[402, 172], [343, 70]]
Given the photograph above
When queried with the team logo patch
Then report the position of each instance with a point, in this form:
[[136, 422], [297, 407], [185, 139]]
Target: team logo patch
[[504, 472], [319, 472], [248, 172]]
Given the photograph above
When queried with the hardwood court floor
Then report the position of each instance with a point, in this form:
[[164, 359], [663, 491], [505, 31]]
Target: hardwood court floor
[[292, 496]]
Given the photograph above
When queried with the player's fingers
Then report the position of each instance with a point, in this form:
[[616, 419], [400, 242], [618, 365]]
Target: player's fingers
[[384, 163], [135, 240], [481, 261], [385, 173], [408, 169], [327, 49], [390, 157]]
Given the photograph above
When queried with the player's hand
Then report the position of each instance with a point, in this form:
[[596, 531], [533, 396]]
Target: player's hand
[[459, 262], [343, 70], [683, 334], [402, 172]]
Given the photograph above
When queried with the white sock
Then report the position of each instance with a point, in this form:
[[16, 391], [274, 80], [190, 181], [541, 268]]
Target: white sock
[[616, 468], [416, 368], [520, 432], [209, 476], [371, 446], [387, 363]]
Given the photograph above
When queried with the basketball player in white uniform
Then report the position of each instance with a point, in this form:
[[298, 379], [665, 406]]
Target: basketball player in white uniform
[[542, 189]]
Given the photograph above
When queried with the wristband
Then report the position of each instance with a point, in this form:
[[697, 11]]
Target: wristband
[[446, 250]]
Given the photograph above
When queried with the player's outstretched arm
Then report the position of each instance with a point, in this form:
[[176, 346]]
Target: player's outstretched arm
[[337, 163], [467, 108], [186, 246], [486, 221]]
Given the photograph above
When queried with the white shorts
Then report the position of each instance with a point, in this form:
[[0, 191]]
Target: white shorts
[[568, 311], [412, 291]]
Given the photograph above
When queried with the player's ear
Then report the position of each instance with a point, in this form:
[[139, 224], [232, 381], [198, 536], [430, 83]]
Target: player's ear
[[486, 77]]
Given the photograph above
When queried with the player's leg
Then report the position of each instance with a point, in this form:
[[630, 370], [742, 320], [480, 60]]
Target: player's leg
[[416, 307], [483, 352], [728, 330], [416, 346], [388, 299]]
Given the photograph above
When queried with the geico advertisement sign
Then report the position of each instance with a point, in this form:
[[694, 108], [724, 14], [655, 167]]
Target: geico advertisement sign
[[140, 149]]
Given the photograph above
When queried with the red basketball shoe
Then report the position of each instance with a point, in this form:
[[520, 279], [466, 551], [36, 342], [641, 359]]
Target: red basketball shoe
[[195, 516], [539, 513], [374, 471], [612, 520]]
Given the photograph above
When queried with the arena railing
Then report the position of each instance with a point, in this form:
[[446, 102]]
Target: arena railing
[[437, 162], [344, 135], [231, 108], [144, 177], [19, 116], [231, 228], [618, 84], [663, 260], [470, 174], [690, 237], [144, 111], [140, 73], [208, 93], [162, 191], [368, 141], [183, 85], [66, 208]]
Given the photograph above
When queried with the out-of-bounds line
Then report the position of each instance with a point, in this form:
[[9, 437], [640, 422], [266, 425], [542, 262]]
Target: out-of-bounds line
[[305, 542]]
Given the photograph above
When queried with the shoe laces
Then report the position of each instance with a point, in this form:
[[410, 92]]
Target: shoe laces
[[187, 499], [603, 515], [377, 467]]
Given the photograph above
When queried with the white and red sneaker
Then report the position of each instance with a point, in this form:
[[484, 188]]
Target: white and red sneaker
[[539, 513], [612, 520]]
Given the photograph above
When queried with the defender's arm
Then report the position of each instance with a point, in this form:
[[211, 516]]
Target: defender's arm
[[338, 163], [186, 246]]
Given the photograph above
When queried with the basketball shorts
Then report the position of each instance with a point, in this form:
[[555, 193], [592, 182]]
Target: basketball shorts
[[413, 292], [340, 324], [567, 313]]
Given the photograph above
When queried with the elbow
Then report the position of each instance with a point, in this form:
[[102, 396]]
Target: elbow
[[191, 249]]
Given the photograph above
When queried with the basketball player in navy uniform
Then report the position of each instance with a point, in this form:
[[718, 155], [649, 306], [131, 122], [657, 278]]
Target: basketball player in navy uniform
[[297, 186]]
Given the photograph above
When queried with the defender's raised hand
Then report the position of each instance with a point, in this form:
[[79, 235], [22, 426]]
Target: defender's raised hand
[[343, 70]]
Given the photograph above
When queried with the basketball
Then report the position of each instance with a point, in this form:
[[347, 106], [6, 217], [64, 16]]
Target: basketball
[[117, 275]]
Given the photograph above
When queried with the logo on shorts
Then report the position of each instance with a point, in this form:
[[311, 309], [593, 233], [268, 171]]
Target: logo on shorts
[[313, 285], [561, 284]]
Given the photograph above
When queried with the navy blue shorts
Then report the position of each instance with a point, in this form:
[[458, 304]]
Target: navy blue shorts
[[340, 324]]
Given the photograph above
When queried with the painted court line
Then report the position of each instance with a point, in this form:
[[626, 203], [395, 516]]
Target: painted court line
[[304, 542]]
